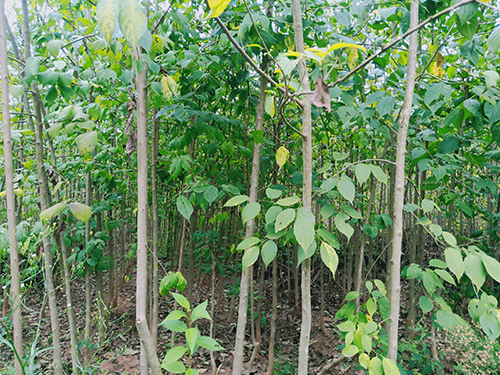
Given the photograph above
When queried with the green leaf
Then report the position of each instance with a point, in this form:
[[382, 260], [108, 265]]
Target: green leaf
[[445, 276], [371, 306], [413, 271], [174, 325], [282, 155], [181, 300], [200, 311], [375, 367], [52, 211], [466, 12], [107, 13], [490, 325], [430, 281], [288, 201], [184, 207], [192, 371], [351, 296], [250, 257], [80, 211], [454, 261], [493, 41], [342, 226], [450, 239], [54, 46], [390, 368], [88, 125], [366, 342], [211, 194], [284, 218], [133, 21], [269, 106], [386, 105], [329, 257], [174, 367], [492, 266], [347, 326], [192, 335], [247, 242], [371, 327], [468, 28], [425, 304], [363, 172], [258, 137], [328, 185], [272, 213], [250, 211], [174, 354], [446, 319], [328, 237], [465, 208], [364, 360], [326, 211], [427, 205], [54, 130], [86, 143], [304, 228], [346, 188], [474, 269], [273, 193], [477, 308], [450, 144], [234, 201], [176, 315], [167, 283], [378, 173], [268, 252], [209, 343], [438, 263], [350, 351], [351, 211]]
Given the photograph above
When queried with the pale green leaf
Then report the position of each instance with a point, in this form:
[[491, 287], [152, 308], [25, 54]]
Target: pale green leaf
[[342, 226], [250, 257], [364, 360], [268, 252], [304, 228], [269, 106], [390, 368], [174, 354], [247, 242], [379, 173], [474, 269], [454, 261], [250, 211], [346, 188], [80, 211], [200, 311], [427, 205], [284, 218], [350, 351], [288, 201], [363, 172], [52, 211], [375, 367], [234, 201], [133, 21], [492, 266], [107, 13], [329, 257], [209, 343], [184, 207], [181, 300], [86, 143], [192, 335], [282, 155]]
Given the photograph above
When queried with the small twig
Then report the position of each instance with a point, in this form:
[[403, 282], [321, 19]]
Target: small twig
[[435, 53]]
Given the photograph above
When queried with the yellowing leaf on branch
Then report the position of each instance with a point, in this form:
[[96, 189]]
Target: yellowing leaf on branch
[[168, 87], [107, 16], [282, 156], [133, 21], [269, 107], [217, 7]]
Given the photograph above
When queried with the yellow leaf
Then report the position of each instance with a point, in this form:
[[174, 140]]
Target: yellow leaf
[[133, 21], [168, 86], [217, 7], [107, 16], [19, 192], [282, 156], [436, 70], [3, 193], [255, 45], [345, 45], [269, 107], [352, 57], [293, 53]]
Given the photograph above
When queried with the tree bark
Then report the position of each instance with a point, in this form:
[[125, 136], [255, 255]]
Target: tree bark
[[397, 235]]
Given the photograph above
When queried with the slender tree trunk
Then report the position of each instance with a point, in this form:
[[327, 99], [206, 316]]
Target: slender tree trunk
[[88, 295], [254, 185], [395, 285], [9, 186], [155, 224], [274, 314]]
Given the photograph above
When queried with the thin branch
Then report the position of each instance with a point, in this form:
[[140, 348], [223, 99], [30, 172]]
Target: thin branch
[[435, 52]]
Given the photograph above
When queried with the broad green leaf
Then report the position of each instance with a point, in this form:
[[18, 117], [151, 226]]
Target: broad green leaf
[[364, 360], [273, 193], [492, 266], [371, 327], [86, 143], [167, 283], [176, 314], [351, 296], [375, 367], [466, 12], [491, 78], [248, 242], [477, 308], [454, 261], [427, 205], [436, 229], [217, 7], [258, 137], [350, 351], [379, 173], [200, 311], [17, 90], [272, 213], [413, 271], [328, 185], [450, 239], [192, 335], [52, 211], [329, 257], [282, 155], [250, 211], [343, 227], [490, 325], [347, 326], [184, 207], [410, 207], [268, 252], [174, 367], [328, 237], [371, 306], [181, 300], [269, 105], [346, 188], [80, 211], [174, 354], [390, 368], [303, 255], [450, 144], [288, 201], [284, 218], [445, 276], [234, 201], [174, 325], [88, 125], [493, 41], [363, 172], [107, 13], [250, 257], [326, 211], [54, 130], [468, 28], [211, 194], [430, 281], [474, 269], [465, 208], [209, 343], [351, 211], [169, 87], [446, 319], [366, 342], [54, 46], [380, 286], [133, 21], [192, 371], [340, 45], [304, 228], [339, 156], [425, 304], [386, 105]]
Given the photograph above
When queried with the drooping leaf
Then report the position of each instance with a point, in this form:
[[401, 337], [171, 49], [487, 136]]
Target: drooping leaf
[[474, 269], [493, 41], [282, 155], [52, 211], [250, 211], [390, 368], [269, 105], [133, 21], [379, 173], [174, 354], [217, 7], [363, 172], [446, 319], [284, 218], [375, 367], [86, 143], [250, 257], [211, 194], [364, 360], [450, 144], [304, 228], [184, 207], [107, 13], [192, 335], [80, 211], [492, 266], [247, 242], [234, 201], [329, 257], [344, 227], [321, 95], [346, 188], [209, 343], [181, 300], [268, 252], [54, 46], [425, 304], [490, 325], [288, 201]]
